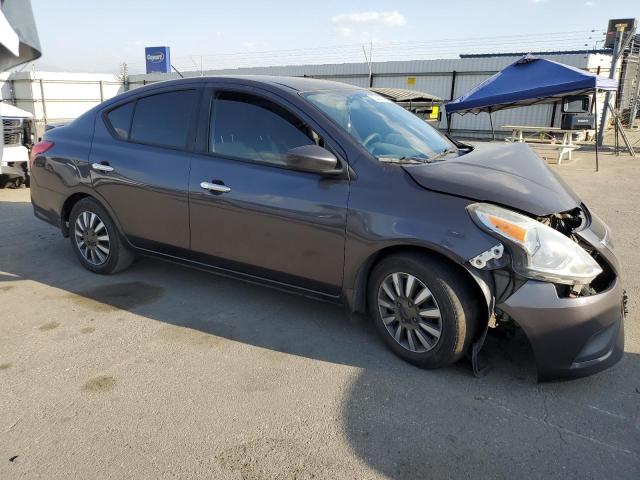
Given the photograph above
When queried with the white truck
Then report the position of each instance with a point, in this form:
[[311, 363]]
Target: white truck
[[18, 135]]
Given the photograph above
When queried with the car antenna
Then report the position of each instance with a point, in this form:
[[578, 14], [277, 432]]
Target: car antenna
[[177, 71]]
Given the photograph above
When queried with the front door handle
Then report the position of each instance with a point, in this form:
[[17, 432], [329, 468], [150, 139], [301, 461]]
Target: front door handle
[[101, 167], [215, 187]]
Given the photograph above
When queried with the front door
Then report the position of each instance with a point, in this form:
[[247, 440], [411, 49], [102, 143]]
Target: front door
[[264, 219], [140, 167]]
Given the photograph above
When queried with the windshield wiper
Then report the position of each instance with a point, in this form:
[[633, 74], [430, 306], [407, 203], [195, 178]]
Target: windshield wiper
[[403, 160], [417, 159], [443, 153]]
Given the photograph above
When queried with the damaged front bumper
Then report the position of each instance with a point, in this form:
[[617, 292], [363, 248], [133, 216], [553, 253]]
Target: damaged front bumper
[[570, 337], [14, 161], [13, 169], [571, 334]]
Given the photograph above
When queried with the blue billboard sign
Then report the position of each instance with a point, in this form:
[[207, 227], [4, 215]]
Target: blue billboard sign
[[158, 59]]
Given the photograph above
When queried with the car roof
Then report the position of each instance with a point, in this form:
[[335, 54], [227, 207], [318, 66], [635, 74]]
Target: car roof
[[300, 84], [286, 84]]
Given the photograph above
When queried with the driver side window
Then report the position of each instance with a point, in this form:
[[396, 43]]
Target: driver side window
[[252, 128]]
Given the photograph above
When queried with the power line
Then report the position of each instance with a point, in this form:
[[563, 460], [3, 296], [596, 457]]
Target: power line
[[386, 51], [496, 39], [335, 51]]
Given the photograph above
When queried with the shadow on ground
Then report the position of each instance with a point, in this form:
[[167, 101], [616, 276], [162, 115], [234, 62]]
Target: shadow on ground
[[402, 421], [225, 307]]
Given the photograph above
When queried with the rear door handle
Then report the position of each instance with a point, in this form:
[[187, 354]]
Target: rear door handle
[[214, 187], [101, 167]]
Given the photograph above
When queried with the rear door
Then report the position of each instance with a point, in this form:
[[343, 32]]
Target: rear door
[[269, 221], [140, 166]]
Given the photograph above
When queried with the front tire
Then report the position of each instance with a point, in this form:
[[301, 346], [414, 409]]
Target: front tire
[[96, 240], [424, 308]]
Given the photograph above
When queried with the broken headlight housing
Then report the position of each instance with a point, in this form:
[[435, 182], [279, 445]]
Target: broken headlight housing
[[538, 251]]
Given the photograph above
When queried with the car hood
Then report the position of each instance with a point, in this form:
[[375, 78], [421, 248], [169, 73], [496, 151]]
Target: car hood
[[512, 175]]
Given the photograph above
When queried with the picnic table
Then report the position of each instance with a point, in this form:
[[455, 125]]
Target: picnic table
[[564, 148]]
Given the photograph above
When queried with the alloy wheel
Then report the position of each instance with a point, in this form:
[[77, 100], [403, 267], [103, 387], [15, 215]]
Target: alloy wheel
[[92, 238], [409, 312]]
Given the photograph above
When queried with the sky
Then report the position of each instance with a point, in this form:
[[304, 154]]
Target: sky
[[98, 36]]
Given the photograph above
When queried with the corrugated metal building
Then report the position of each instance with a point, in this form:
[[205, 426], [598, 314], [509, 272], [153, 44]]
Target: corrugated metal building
[[60, 96], [446, 79]]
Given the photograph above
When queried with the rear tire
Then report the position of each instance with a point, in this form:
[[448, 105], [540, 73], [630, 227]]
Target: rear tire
[[429, 321], [96, 240]]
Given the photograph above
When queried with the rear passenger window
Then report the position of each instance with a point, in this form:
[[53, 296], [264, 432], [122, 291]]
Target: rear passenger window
[[120, 119], [163, 119], [253, 128]]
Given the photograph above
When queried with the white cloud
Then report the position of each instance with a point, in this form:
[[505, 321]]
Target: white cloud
[[590, 4], [386, 19], [345, 32], [361, 26]]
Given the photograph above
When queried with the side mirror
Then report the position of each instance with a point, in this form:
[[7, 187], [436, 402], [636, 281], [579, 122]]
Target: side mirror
[[312, 158]]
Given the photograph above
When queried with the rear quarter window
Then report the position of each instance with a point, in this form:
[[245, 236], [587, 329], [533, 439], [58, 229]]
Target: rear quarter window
[[120, 120]]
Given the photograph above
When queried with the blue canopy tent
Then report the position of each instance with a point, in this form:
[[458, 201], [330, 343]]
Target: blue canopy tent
[[529, 81]]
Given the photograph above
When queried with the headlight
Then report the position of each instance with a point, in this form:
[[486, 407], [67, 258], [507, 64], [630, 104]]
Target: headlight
[[538, 251]]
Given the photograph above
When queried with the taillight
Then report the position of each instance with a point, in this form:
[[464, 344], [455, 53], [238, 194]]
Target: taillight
[[38, 149]]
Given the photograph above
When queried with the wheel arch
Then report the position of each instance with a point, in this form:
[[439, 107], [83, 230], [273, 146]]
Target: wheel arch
[[67, 206], [73, 199], [482, 285]]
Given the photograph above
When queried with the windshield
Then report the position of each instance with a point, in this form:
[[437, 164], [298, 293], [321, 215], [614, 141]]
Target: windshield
[[386, 130]]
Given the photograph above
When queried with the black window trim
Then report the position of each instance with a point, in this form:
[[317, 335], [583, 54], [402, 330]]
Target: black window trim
[[190, 144], [210, 98]]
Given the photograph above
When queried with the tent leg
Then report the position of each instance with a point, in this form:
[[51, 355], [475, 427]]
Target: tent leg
[[617, 142], [448, 123], [595, 110], [493, 133]]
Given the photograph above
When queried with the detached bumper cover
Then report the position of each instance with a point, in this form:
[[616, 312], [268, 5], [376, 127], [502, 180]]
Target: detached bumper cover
[[12, 169], [570, 337], [14, 160]]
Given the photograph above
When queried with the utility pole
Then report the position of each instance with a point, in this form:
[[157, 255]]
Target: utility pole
[[124, 72], [617, 53]]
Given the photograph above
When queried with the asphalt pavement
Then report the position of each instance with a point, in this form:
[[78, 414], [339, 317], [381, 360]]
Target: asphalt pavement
[[167, 372]]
